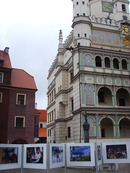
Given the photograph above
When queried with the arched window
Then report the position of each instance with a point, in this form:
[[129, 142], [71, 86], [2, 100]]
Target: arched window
[[107, 62], [124, 64], [98, 61], [115, 63], [123, 7]]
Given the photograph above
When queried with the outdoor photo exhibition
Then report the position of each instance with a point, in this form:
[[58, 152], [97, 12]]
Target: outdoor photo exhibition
[[50, 156]]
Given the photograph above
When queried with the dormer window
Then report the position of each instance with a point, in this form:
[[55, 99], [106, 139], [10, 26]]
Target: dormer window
[[21, 99], [1, 77], [123, 7]]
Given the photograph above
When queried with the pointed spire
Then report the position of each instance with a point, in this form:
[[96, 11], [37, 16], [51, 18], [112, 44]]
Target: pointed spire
[[60, 37]]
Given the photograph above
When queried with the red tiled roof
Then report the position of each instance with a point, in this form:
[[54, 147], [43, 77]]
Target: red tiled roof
[[43, 115], [42, 132], [21, 79], [5, 57]]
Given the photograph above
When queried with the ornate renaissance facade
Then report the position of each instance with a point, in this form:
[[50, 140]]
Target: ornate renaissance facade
[[91, 72]]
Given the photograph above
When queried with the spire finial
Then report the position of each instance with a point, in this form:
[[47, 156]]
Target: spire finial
[[60, 37]]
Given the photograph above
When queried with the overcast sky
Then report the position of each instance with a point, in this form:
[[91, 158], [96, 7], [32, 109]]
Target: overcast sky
[[30, 28]]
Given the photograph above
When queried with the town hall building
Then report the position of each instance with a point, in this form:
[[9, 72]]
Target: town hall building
[[91, 75]]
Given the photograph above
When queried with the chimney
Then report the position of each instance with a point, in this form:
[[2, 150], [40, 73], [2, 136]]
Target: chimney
[[6, 50]]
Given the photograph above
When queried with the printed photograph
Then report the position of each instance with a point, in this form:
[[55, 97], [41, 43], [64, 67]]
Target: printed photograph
[[34, 155], [116, 151], [57, 154], [99, 152], [8, 155], [80, 153]]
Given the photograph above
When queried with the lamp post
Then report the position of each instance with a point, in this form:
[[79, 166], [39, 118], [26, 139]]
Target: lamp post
[[86, 129]]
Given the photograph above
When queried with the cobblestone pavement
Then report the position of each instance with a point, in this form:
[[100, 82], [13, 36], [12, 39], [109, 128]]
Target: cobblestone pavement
[[123, 168]]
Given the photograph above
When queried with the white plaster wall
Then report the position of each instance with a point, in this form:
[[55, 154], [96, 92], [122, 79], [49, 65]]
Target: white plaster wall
[[51, 77], [75, 63], [76, 128], [80, 8], [76, 95]]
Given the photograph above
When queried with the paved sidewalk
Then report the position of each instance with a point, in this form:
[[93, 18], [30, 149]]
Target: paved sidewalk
[[123, 168]]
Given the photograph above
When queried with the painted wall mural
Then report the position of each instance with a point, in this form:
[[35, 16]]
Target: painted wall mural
[[91, 126], [106, 38], [88, 60], [89, 95]]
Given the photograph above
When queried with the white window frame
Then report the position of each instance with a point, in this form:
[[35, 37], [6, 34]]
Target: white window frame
[[2, 74], [16, 120], [17, 102], [1, 96]]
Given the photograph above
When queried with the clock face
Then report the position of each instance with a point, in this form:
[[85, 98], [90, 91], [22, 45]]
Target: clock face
[[125, 29], [107, 7]]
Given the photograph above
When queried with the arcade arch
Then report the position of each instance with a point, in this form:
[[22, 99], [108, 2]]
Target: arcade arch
[[107, 130], [124, 127], [104, 96], [122, 97]]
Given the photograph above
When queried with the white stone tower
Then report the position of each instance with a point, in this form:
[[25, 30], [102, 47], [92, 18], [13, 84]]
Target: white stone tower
[[81, 22]]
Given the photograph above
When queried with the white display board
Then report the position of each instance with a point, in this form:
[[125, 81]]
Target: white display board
[[116, 152], [57, 155], [81, 154], [35, 156], [99, 153], [10, 156]]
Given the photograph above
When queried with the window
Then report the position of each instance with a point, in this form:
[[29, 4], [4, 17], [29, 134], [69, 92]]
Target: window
[[107, 62], [123, 7], [69, 132], [98, 61], [1, 77], [83, 2], [121, 102], [19, 121], [124, 64], [101, 97], [78, 35], [1, 94], [41, 125], [77, 3], [72, 104], [103, 133], [115, 63], [1, 62], [21, 99], [124, 17]]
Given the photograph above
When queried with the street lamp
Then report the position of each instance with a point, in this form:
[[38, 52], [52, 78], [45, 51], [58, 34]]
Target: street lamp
[[86, 129]]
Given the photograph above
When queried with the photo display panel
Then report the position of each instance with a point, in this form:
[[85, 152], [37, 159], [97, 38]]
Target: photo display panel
[[99, 153], [80, 154], [35, 156], [116, 152], [10, 156], [57, 155]]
